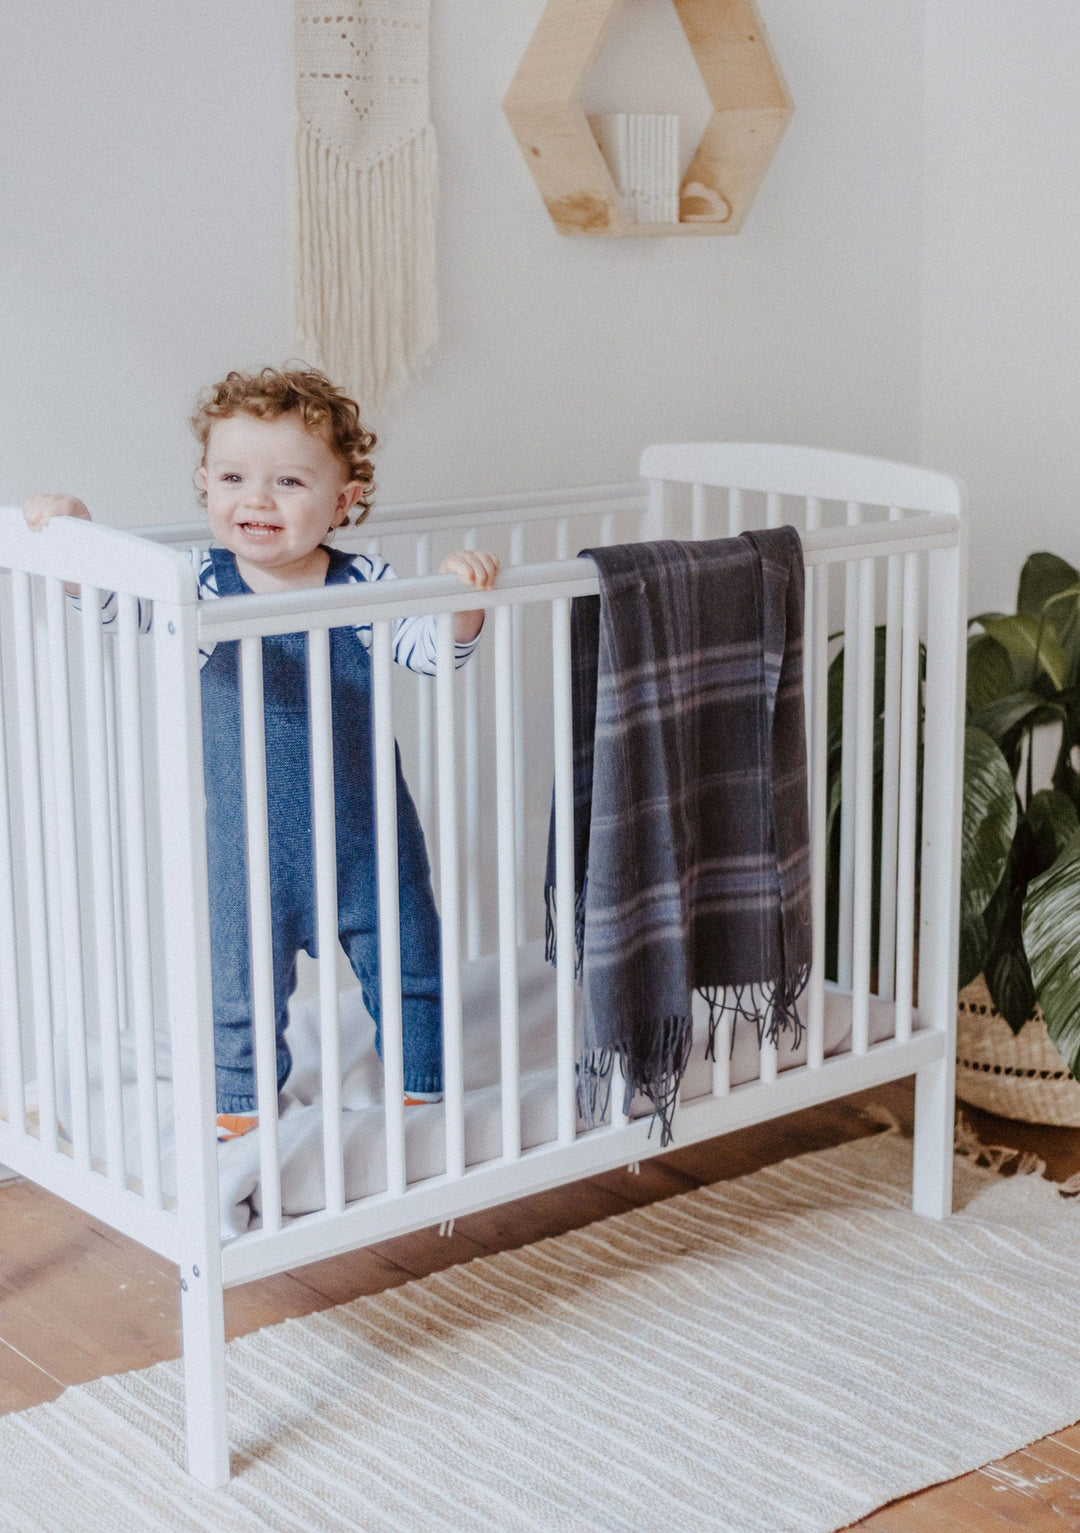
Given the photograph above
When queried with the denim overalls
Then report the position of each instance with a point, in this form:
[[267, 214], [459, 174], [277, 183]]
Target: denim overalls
[[292, 896]]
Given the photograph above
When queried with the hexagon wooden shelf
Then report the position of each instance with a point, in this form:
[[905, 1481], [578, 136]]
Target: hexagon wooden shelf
[[751, 107]]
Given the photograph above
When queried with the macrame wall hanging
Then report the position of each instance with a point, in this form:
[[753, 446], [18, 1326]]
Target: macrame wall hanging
[[367, 182]]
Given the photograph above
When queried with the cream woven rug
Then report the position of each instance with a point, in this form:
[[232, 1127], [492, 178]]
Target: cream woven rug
[[783, 1352]]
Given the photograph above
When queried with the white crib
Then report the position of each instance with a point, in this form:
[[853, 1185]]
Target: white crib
[[104, 945]]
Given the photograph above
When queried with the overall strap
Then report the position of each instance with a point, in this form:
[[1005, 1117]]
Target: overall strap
[[337, 571], [226, 573]]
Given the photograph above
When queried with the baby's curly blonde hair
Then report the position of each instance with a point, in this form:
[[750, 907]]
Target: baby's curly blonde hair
[[321, 405]]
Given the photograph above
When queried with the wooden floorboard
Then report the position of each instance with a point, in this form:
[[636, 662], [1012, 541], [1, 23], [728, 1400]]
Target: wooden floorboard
[[78, 1300]]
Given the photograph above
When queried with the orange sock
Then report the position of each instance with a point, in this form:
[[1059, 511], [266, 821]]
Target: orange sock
[[233, 1125]]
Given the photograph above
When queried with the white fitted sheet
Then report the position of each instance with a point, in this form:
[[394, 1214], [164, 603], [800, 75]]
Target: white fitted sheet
[[300, 1128]]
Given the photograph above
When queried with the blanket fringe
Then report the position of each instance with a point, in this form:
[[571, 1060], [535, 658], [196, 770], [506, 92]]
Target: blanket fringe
[[550, 925], [365, 263], [654, 1072], [771, 1007]]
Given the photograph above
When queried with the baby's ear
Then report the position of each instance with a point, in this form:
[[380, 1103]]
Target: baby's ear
[[200, 476], [348, 498]]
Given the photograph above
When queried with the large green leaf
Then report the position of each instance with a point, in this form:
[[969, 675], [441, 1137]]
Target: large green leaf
[[1008, 975], [1007, 717], [1043, 576], [1053, 820], [973, 950], [1032, 644], [989, 671], [988, 823], [1051, 928]]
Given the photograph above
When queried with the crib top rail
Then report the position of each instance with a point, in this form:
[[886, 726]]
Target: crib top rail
[[236, 617], [89, 553], [804, 472], [477, 511]]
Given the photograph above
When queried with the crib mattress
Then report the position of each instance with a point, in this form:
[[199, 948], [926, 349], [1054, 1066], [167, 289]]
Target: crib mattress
[[300, 1129]]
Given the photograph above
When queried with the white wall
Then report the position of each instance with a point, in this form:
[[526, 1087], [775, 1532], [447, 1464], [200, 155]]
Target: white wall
[[145, 250], [143, 237], [1001, 375]]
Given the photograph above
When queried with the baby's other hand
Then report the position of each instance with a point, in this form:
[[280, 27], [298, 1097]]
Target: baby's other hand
[[39, 510], [473, 568]]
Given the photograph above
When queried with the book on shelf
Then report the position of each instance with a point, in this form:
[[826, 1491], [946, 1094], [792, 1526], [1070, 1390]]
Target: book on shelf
[[642, 153]]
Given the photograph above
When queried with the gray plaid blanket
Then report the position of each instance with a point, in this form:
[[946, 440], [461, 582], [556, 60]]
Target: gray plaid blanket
[[691, 833]]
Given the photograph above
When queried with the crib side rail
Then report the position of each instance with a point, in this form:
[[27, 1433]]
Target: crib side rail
[[76, 996]]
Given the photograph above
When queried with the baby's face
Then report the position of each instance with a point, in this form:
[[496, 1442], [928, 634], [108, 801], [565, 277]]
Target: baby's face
[[273, 490]]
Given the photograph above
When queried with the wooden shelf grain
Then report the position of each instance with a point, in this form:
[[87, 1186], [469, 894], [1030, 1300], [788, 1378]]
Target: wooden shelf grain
[[751, 108]]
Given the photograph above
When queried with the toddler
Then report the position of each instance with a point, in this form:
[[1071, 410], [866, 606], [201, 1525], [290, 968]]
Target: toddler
[[284, 462]]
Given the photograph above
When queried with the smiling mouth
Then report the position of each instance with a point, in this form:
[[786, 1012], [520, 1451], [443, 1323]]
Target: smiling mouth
[[259, 529]]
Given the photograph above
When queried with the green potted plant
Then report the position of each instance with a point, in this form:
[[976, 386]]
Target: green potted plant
[[1019, 969], [1020, 874]]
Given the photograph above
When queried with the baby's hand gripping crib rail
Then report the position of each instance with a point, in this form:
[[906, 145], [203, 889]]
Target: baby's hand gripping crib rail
[[106, 1039]]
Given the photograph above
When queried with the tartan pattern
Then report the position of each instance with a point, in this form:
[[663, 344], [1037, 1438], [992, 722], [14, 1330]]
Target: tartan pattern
[[691, 830]]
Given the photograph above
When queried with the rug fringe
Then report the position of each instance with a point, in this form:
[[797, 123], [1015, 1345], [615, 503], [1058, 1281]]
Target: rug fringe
[[967, 1144]]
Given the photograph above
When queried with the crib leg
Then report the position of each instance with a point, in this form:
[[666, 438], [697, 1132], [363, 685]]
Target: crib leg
[[203, 1312], [931, 1191]]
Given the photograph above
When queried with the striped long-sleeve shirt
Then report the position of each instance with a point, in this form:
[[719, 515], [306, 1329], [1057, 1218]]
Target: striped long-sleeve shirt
[[413, 637]]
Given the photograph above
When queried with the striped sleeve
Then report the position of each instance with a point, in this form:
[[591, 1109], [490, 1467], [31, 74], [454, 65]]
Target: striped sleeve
[[414, 637], [208, 587], [110, 611]]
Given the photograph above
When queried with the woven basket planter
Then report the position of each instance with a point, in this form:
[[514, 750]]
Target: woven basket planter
[[1017, 1075]]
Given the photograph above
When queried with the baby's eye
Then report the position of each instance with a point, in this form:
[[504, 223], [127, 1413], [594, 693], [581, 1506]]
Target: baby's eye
[[286, 480], [230, 478]]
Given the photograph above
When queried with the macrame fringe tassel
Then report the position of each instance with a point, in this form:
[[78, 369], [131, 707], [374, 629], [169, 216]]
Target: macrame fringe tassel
[[365, 267]]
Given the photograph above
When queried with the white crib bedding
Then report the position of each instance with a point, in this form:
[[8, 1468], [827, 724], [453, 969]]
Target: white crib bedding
[[300, 1127]]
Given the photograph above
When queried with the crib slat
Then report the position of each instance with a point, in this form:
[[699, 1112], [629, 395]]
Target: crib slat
[[735, 513], [453, 1052], [562, 538], [259, 927], [819, 708], [517, 618], [773, 509], [134, 802], [389, 920], [698, 510], [472, 798], [509, 1039], [721, 1070], [768, 1061], [890, 789], [654, 519], [70, 910], [101, 851], [618, 1116], [607, 529], [906, 828], [424, 710], [112, 749], [33, 837], [11, 1016], [326, 913], [847, 765], [564, 871], [864, 810]]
